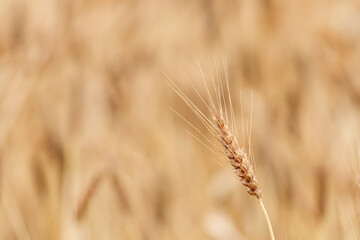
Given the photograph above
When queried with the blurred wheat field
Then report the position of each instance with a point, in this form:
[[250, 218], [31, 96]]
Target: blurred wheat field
[[90, 150]]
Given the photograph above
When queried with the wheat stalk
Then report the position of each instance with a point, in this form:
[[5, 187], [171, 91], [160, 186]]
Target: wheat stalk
[[223, 129], [109, 172], [88, 194]]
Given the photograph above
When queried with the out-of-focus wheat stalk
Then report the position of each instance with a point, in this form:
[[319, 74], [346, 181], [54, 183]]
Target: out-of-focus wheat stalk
[[88, 193], [221, 124]]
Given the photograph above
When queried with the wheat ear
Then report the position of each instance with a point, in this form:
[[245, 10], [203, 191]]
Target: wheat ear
[[218, 125], [240, 163], [237, 156]]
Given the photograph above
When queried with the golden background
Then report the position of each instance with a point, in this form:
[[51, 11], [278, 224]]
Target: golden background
[[90, 150]]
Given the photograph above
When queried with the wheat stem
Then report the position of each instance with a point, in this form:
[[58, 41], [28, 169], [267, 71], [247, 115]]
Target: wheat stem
[[267, 219]]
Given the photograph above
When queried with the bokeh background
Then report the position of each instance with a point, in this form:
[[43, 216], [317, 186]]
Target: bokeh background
[[90, 150]]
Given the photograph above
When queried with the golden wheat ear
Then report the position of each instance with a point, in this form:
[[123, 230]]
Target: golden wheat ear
[[220, 122]]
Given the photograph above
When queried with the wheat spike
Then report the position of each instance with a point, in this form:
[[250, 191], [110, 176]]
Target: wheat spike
[[237, 156], [218, 125], [239, 161]]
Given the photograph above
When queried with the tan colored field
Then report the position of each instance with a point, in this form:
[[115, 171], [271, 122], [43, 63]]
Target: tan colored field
[[89, 148]]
